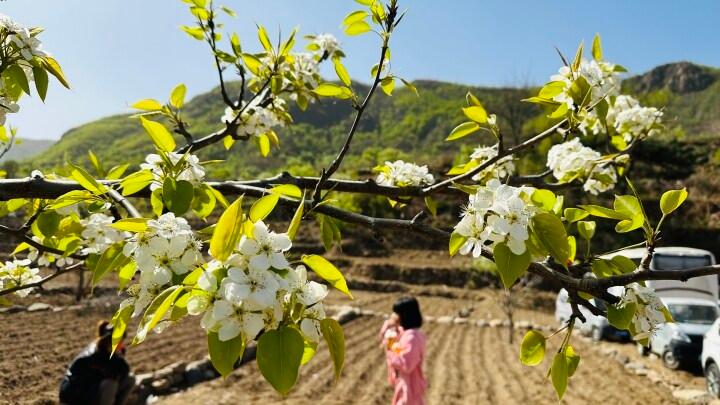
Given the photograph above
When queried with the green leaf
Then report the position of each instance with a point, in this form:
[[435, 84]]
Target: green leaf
[[552, 89], [289, 190], [388, 85], [329, 90], [125, 274], [355, 16], [53, 67], [456, 242], [510, 266], [624, 264], [462, 130], [476, 113], [586, 229], [342, 73], [308, 352], [620, 317], [47, 223], [532, 348], [70, 198], [559, 374], [551, 233], [335, 338], [357, 28], [112, 258], [177, 97], [296, 219], [574, 214], [672, 199], [156, 202], [263, 207], [148, 105], [136, 181], [252, 63], [279, 353], [228, 231], [86, 180], [195, 32], [131, 224], [119, 322], [204, 201], [597, 52], [177, 195], [224, 355], [544, 198], [164, 307], [327, 271], [160, 136], [578, 57], [17, 75], [431, 205], [602, 212], [573, 360], [41, 81], [96, 163], [264, 38]]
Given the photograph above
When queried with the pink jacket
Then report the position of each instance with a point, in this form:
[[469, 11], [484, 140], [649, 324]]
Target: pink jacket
[[404, 362]]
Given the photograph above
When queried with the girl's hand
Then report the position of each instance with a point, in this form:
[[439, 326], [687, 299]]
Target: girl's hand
[[394, 320]]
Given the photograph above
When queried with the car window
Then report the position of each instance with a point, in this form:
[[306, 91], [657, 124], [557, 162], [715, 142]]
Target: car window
[[676, 262], [684, 313]]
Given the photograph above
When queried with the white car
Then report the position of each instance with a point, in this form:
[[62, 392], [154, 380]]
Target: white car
[[710, 359], [680, 343], [597, 327]]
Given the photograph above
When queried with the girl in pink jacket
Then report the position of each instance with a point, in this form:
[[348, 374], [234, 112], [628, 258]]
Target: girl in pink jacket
[[404, 346]]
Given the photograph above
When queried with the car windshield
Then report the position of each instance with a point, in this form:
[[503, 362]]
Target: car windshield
[[677, 262], [684, 313]]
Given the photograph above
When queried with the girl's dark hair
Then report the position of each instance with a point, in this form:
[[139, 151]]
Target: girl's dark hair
[[409, 311], [104, 335]]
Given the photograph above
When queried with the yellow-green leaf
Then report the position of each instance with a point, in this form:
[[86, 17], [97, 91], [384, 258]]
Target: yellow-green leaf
[[263, 207], [476, 113], [462, 130], [532, 348], [671, 200], [357, 28], [327, 271], [160, 136], [131, 224], [148, 104], [224, 355], [228, 231], [86, 180], [335, 338], [177, 97]]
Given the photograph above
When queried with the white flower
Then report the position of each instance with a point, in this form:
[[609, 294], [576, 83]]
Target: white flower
[[649, 312], [20, 37], [255, 288], [310, 325], [190, 170], [572, 160], [308, 293], [18, 273], [266, 249], [230, 321], [7, 106], [326, 44], [501, 169], [46, 258], [402, 174], [99, 234], [257, 120], [496, 213], [632, 120], [601, 76]]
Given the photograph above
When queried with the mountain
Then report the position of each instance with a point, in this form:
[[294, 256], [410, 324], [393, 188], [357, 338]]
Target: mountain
[[27, 148]]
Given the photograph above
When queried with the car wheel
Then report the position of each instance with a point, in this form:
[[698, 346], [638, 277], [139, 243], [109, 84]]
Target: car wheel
[[670, 361], [642, 349], [596, 334], [712, 379]]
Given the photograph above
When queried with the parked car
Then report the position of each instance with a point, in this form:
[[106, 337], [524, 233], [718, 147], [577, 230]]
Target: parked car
[[597, 327], [680, 343], [710, 359]]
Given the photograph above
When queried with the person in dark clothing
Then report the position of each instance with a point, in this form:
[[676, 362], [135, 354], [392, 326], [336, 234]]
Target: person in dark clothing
[[95, 376]]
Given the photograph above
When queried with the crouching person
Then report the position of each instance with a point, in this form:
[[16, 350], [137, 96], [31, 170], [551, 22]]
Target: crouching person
[[95, 376]]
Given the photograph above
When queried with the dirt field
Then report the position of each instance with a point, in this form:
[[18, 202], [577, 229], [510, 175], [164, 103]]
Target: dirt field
[[465, 364]]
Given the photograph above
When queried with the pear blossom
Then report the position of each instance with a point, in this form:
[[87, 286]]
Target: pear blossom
[[99, 234], [501, 169], [403, 174], [190, 170], [230, 321], [496, 213], [649, 312], [255, 288], [310, 324], [600, 75], [266, 249], [257, 120], [46, 259], [572, 160], [326, 44], [16, 273]]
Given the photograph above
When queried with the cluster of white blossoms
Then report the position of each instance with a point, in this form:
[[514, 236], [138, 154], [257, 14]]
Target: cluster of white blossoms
[[46, 258], [190, 170], [17, 273], [501, 169], [257, 120], [255, 289], [572, 160], [601, 76], [627, 117], [99, 234], [496, 213], [403, 174], [167, 248], [325, 44], [649, 309]]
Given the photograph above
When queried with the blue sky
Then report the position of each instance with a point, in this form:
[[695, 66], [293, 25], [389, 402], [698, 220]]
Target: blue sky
[[116, 52]]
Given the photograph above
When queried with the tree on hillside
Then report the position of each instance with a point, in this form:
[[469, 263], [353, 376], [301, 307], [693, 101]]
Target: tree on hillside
[[237, 275]]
